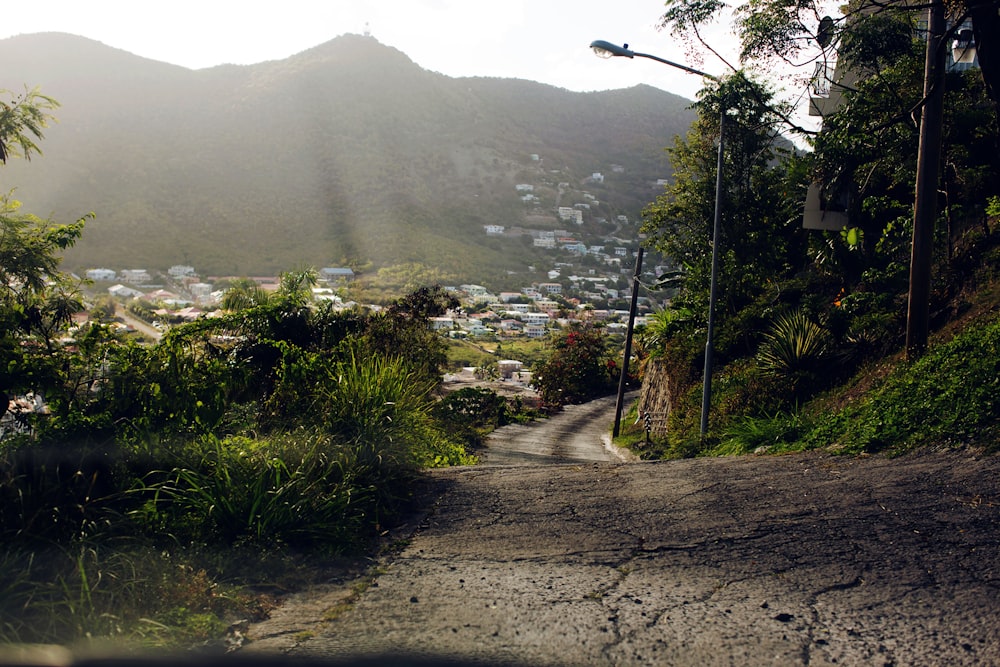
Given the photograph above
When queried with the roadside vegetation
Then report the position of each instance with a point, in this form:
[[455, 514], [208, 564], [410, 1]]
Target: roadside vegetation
[[810, 339], [162, 491]]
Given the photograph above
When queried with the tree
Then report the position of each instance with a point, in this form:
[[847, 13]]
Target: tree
[[21, 123], [762, 240], [579, 368], [778, 32], [36, 300]]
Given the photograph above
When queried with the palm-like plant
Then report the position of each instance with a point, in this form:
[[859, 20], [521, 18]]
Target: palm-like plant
[[795, 348]]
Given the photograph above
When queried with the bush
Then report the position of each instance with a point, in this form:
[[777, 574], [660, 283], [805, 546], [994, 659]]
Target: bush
[[795, 351], [949, 396], [579, 368], [299, 491]]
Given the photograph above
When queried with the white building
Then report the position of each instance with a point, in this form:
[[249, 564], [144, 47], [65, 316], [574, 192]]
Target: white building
[[180, 270], [135, 276], [122, 292], [200, 289], [535, 331], [441, 323], [101, 274], [336, 274]]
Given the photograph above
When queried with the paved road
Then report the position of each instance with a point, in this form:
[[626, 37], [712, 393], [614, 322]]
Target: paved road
[[803, 559], [578, 433]]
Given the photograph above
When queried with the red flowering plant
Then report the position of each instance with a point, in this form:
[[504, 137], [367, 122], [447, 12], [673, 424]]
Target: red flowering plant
[[579, 369]]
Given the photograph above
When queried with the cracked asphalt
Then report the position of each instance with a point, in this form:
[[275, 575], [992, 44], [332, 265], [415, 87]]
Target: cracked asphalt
[[805, 559]]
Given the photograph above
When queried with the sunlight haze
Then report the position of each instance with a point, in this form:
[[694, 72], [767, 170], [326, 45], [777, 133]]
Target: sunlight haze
[[538, 41]]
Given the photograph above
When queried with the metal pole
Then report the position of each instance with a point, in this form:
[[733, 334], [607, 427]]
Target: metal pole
[[628, 344], [706, 392], [925, 205]]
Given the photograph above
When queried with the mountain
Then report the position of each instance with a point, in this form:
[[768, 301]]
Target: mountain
[[344, 153]]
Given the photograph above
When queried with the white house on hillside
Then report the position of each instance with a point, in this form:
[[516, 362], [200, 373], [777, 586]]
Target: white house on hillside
[[336, 274], [101, 274], [135, 276], [180, 270], [122, 292]]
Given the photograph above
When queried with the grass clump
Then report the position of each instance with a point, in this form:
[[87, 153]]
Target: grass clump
[[948, 397]]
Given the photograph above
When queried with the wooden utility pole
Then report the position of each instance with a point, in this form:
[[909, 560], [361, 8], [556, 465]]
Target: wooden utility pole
[[928, 166]]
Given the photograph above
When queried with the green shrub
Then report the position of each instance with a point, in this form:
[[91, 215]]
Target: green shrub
[[774, 433], [295, 490], [579, 368], [796, 351], [949, 396]]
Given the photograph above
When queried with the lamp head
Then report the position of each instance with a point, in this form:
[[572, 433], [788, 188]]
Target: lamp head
[[963, 49], [608, 50]]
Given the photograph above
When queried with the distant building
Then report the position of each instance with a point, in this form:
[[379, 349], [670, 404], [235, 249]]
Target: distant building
[[336, 274], [441, 323], [508, 367], [494, 230], [536, 318], [101, 275], [535, 331], [571, 214], [135, 276], [122, 292], [180, 270], [200, 289]]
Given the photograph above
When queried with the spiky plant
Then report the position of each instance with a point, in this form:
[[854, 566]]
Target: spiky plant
[[795, 349]]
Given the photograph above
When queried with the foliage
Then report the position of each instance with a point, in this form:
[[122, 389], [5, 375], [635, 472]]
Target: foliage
[[579, 368], [281, 424], [137, 597], [798, 35], [300, 491], [761, 242], [949, 396], [769, 434], [662, 325], [472, 412], [795, 351], [22, 121]]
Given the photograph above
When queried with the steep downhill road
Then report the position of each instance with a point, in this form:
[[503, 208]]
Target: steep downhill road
[[578, 433], [806, 559]]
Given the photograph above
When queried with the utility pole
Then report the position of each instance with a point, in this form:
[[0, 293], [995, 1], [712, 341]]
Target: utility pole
[[928, 165], [628, 344]]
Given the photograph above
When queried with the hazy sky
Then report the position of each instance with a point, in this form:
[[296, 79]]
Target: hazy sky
[[539, 40]]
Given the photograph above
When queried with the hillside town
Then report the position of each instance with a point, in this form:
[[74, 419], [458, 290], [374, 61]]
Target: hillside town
[[590, 278], [180, 295]]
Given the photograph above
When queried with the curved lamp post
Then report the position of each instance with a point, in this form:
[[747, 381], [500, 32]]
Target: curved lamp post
[[609, 50]]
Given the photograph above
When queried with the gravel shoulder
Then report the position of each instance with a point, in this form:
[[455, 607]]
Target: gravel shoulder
[[805, 559]]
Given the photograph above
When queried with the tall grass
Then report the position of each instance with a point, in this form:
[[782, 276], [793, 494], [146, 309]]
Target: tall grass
[[293, 490], [90, 592], [773, 433]]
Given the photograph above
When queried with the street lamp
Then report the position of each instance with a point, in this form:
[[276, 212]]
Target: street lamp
[[609, 50]]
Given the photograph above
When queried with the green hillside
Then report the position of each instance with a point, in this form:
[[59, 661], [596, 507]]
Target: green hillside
[[345, 153]]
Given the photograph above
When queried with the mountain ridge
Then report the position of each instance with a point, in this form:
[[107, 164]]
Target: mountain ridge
[[347, 152]]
